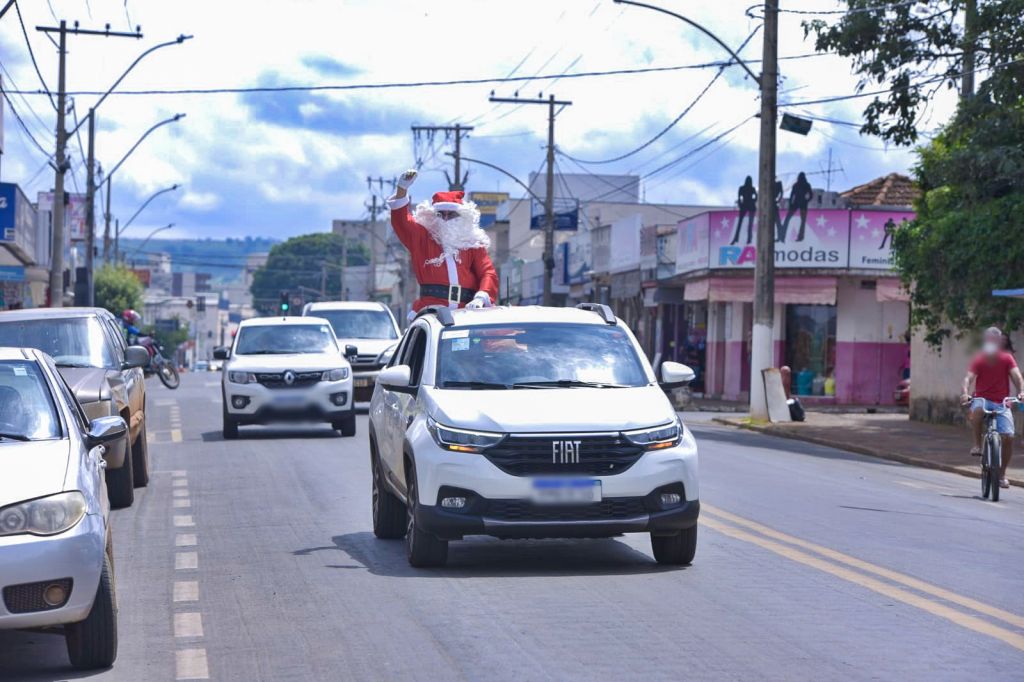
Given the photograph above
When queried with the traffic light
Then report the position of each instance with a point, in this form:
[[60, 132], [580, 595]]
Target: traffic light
[[285, 302], [200, 304]]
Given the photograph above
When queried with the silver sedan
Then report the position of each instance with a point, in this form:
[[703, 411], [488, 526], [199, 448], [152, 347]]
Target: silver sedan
[[56, 558]]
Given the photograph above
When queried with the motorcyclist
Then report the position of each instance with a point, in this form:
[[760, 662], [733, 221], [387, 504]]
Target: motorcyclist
[[130, 320]]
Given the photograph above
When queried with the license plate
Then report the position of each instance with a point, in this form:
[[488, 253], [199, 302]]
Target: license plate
[[289, 400], [360, 383], [566, 490]]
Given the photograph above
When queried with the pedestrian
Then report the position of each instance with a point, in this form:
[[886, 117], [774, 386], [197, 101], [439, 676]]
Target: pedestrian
[[746, 199], [799, 199], [448, 248], [986, 384]]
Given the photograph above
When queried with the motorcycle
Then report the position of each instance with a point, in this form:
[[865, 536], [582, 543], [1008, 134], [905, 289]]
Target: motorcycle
[[158, 364]]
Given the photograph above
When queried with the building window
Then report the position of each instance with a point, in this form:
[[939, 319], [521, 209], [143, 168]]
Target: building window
[[810, 346]]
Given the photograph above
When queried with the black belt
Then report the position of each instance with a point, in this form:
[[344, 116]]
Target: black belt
[[448, 293]]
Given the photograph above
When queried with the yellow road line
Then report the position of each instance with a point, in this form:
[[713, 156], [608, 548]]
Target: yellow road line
[[891, 591], [902, 579]]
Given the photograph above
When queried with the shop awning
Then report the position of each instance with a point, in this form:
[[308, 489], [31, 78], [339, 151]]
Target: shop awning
[[806, 290], [891, 289]]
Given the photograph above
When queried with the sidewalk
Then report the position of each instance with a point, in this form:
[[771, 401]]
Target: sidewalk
[[889, 436]]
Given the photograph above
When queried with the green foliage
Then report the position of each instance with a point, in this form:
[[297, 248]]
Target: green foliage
[[917, 48], [117, 289], [300, 265], [968, 238], [170, 340]]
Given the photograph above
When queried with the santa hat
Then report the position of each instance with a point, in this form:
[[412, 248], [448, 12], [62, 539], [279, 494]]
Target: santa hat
[[447, 201]]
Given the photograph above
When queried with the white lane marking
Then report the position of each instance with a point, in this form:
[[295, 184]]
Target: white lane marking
[[191, 664], [186, 590], [166, 402], [175, 435], [188, 624], [182, 503], [184, 561], [185, 540], [180, 492], [212, 384], [183, 521], [180, 483], [179, 472]]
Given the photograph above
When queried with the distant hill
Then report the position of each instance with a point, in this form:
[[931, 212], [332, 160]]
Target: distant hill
[[224, 259]]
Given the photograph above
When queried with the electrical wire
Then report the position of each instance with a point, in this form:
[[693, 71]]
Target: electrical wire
[[24, 127], [851, 10], [32, 54]]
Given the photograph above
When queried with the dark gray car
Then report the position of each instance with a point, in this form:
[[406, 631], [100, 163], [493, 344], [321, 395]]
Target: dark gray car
[[105, 374]]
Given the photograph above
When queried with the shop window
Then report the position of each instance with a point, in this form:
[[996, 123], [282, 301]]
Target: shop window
[[810, 346]]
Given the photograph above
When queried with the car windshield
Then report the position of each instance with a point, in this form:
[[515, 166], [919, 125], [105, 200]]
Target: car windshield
[[27, 411], [359, 324], [537, 356], [285, 339], [70, 341]]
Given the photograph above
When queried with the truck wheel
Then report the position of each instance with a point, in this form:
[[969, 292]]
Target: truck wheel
[[230, 426], [140, 454], [676, 550], [346, 426], [422, 549], [121, 482], [388, 510], [92, 643]]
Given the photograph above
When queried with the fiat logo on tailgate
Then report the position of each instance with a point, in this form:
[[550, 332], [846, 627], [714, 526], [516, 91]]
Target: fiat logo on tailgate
[[565, 452], [289, 377]]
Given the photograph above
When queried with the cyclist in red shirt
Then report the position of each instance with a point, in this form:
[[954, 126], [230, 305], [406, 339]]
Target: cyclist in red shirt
[[986, 384]]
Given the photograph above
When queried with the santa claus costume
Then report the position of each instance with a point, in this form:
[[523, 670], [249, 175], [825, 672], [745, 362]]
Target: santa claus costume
[[449, 256]]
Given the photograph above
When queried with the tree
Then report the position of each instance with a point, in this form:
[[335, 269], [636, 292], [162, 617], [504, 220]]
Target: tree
[[117, 289], [170, 339], [301, 265], [917, 48]]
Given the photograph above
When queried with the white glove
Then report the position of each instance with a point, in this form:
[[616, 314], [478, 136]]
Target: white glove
[[407, 178], [481, 300]]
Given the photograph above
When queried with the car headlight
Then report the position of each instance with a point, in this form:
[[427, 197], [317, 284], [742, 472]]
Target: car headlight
[[462, 440], [657, 437], [339, 374], [242, 377], [385, 357], [44, 516]]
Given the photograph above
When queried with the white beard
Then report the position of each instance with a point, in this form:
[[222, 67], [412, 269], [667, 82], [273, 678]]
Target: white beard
[[452, 235]]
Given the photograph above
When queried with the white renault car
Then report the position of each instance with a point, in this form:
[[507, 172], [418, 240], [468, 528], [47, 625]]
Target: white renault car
[[368, 326], [286, 369], [529, 423], [56, 558]]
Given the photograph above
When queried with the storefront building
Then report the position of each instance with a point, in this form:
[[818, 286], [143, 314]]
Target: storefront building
[[841, 317]]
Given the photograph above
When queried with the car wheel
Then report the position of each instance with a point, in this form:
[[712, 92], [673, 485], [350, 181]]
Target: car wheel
[[121, 482], [389, 522], [230, 426], [346, 426], [422, 549], [675, 550], [92, 643], [140, 455]]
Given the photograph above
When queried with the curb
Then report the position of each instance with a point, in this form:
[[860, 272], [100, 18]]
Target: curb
[[859, 449]]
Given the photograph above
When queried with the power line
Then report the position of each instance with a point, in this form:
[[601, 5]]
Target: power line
[[24, 127], [851, 10], [32, 54]]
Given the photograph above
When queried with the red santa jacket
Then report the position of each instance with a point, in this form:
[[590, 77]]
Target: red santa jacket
[[474, 269]]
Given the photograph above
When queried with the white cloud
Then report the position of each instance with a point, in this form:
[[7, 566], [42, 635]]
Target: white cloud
[[200, 201]]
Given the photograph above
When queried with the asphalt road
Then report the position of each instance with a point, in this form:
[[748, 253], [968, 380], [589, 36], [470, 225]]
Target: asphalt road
[[254, 560]]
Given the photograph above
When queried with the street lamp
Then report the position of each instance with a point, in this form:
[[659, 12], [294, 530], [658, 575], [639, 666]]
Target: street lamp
[[500, 170], [150, 236], [106, 226], [761, 350], [118, 231]]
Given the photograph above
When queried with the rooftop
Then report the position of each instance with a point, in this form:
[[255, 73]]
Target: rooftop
[[893, 189]]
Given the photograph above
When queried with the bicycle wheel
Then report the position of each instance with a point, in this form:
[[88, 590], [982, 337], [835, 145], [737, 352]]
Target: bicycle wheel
[[986, 457], [168, 374], [995, 466]]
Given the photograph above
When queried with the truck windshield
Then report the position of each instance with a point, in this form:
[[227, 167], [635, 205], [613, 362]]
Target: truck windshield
[[537, 356], [285, 339], [70, 341], [359, 324], [27, 411]]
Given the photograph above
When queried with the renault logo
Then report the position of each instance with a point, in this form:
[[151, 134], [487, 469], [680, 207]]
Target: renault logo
[[289, 377]]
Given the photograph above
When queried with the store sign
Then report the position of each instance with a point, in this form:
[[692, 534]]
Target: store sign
[[625, 244], [17, 216], [487, 203], [74, 213], [567, 214], [12, 273], [692, 244], [578, 262], [871, 238], [821, 240]]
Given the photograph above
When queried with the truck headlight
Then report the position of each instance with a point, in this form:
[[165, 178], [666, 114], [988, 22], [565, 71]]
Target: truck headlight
[[44, 516], [462, 440], [339, 374], [657, 437], [242, 377]]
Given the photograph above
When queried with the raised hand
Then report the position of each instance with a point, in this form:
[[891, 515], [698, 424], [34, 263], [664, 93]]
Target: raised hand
[[404, 182]]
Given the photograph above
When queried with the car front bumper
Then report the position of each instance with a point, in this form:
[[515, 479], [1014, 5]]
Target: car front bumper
[[75, 555], [323, 401], [363, 383]]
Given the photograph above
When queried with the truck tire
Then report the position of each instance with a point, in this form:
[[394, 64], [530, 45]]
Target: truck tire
[[423, 549], [389, 522], [675, 550]]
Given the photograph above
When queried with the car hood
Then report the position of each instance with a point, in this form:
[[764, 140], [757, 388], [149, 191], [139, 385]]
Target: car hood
[[32, 469], [280, 363], [551, 409], [87, 383], [369, 346]]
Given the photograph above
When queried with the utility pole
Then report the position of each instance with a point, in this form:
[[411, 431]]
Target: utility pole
[[970, 38], [459, 183], [106, 226], [762, 345], [373, 246], [549, 205], [344, 264], [323, 281], [90, 209]]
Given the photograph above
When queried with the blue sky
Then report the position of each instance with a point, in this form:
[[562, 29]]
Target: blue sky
[[287, 163]]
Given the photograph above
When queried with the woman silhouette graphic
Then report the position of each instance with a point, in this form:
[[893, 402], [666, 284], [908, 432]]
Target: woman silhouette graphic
[[746, 199], [799, 198]]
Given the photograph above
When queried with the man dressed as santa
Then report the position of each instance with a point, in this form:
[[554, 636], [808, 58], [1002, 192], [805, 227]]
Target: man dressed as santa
[[448, 248]]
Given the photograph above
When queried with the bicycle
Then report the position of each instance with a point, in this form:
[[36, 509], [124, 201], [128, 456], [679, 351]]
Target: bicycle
[[992, 453]]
